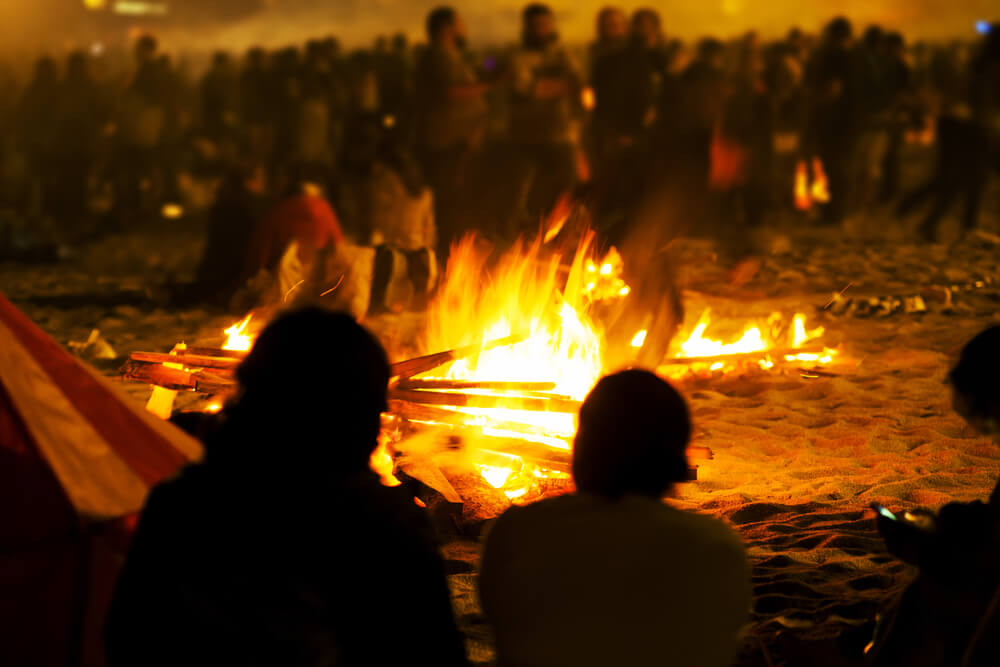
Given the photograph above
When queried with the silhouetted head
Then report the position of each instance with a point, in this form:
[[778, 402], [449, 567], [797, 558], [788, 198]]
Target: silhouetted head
[[646, 30], [538, 26], [220, 59], [839, 33], [145, 49], [612, 25], [76, 66], [975, 382], [46, 70], [633, 432], [711, 51], [318, 380], [399, 43], [256, 58], [445, 27]]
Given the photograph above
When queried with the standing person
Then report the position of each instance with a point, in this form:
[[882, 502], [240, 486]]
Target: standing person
[[220, 100], [35, 116], [834, 119], [605, 64], [967, 137], [546, 86], [451, 118], [610, 574], [256, 106], [282, 547], [898, 78], [83, 116], [141, 121]]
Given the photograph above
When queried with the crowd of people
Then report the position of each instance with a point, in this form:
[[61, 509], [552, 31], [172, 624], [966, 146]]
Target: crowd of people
[[640, 127]]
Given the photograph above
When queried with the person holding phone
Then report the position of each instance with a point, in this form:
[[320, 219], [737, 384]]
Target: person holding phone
[[950, 615]]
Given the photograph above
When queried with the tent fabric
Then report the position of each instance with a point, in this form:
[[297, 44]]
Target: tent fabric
[[77, 457], [105, 451]]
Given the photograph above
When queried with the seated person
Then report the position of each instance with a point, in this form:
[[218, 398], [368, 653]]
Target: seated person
[[947, 612], [294, 239], [282, 547], [610, 575]]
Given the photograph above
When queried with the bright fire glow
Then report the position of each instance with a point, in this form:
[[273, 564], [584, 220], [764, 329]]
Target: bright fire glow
[[529, 294], [237, 340], [640, 339], [697, 345]]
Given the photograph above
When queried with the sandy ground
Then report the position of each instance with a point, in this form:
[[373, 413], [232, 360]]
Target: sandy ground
[[797, 460]]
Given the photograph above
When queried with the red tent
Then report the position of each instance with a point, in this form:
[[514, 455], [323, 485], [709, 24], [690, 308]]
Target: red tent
[[77, 457]]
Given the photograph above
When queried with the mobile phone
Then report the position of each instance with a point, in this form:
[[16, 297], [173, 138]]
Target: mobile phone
[[883, 511]]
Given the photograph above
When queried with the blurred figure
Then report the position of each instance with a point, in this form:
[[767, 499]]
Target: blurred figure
[[605, 60], [282, 547], [78, 137], [898, 80], [451, 118], [220, 100], [256, 106], [610, 575], [834, 119], [141, 119], [967, 141], [544, 110], [950, 614], [35, 116]]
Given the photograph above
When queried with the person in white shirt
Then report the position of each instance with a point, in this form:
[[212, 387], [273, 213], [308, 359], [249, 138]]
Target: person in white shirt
[[611, 575]]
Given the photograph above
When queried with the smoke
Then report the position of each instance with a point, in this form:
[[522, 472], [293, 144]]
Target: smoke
[[55, 24]]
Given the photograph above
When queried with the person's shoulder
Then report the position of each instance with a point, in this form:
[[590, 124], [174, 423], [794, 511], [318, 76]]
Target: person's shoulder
[[703, 528]]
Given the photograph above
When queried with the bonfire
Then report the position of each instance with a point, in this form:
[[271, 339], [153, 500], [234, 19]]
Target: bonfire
[[514, 344]]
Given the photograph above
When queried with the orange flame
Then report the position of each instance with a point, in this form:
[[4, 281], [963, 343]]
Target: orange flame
[[237, 340]]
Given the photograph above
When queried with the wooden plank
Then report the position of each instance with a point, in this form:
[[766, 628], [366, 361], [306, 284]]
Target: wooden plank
[[477, 401], [190, 360], [461, 385], [418, 365]]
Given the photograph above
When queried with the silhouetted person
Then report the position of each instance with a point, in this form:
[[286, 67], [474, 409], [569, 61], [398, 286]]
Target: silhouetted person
[[950, 615], [610, 575], [451, 118], [35, 117], [965, 144], [282, 547], [232, 221], [220, 99], [256, 106], [834, 119], [544, 110]]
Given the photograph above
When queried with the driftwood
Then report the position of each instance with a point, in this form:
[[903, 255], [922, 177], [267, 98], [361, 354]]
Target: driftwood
[[176, 378], [461, 385], [188, 360], [407, 369], [778, 355], [212, 352], [537, 404]]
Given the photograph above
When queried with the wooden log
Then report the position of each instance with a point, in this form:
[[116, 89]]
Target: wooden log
[[189, 360], [175, 378], [477, 401], [776, 355], [213, 352], [416, 366], [461, 385]]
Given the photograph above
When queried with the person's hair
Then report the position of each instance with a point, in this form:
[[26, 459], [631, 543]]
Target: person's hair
[[316, 381], [839, 29], [439, 19], [976, 375], [633, 432], [646, 13], [535, 9]]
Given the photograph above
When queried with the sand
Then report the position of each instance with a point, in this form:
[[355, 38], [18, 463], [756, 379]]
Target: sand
[[798, 460]]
